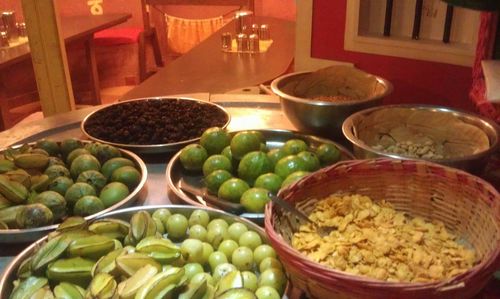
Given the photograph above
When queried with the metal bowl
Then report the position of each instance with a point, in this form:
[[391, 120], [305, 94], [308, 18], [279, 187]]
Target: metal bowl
[[151, 148], [9, 275], [18, 236], [473, 163], [275, 138], [319, 117]]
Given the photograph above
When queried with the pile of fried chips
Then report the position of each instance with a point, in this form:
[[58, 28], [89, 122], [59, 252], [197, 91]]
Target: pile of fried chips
[[373, 239]]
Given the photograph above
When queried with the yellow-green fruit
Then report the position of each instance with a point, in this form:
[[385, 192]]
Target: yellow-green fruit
[[288, 165], [113, 164], [8, 214], [75, 153], [252, 165], [254, 200], [216, 162], [55, 171], [28, 161], [103, 286], [293, 177], [77, 191], [34, 215], [129, 287], [94, 178], [128, 175], [113, 193], [50, 146], [294, 146], [28, 287], [19, 175], [66, 290], [106, 152], [310, 159], [68, 145], [82, 163], [54, 201], [39, 183], [92, 247], [73, 270], [14, 191], [239, 293], [214, 140], [243, 143], [193, 156], [269, 181], [328, 154], [6, 165], [88, 205], [232, 189], [61, 184]]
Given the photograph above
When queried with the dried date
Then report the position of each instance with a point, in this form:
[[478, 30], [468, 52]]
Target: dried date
[[154, 121]]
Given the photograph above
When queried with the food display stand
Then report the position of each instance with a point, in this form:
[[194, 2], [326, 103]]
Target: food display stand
[[247, 112]]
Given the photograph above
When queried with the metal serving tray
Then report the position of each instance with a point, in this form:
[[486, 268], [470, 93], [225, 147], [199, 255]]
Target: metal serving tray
[[28, 235], [150, 148], [275, 138]]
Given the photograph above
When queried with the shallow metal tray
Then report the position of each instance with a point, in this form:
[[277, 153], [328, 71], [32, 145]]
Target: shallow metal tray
[[151, 148], [14, 236], [275, 138], [9, 275]]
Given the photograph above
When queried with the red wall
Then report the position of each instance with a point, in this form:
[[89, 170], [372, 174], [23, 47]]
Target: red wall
[[414, 81]]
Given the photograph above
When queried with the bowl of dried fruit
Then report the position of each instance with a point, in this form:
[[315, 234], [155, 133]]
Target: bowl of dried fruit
[[153, 125], [397, 229], [438, 134], [318, 102]]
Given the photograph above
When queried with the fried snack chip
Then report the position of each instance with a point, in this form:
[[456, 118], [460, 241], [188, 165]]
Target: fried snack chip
[[374, 240]]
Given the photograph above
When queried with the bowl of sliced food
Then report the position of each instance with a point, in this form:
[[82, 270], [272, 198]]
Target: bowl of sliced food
[[387, 228], [318, 102], [438, 134]]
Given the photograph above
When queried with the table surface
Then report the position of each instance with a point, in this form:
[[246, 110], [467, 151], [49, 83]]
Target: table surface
[[261, 111], [72, 28], [208, 69]]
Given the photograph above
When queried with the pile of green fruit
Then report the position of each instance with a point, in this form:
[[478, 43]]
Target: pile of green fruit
[[241, 169], [43, 183], [163, 255]]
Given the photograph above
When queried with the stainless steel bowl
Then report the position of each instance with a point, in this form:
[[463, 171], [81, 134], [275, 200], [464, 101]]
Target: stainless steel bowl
[[151, 148], [19, 236], [9, 275], [473, 163], [318, 117]]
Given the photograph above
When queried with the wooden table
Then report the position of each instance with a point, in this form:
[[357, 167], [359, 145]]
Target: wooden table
[[73, 29], [207, 69]]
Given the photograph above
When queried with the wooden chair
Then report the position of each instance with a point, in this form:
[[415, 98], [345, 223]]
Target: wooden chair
[[141, 36], [154, 12]]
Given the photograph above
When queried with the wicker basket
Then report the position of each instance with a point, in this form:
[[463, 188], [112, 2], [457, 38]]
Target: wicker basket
[[467, 205]]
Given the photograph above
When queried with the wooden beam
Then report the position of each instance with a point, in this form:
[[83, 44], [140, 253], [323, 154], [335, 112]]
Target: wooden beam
[[49, 56]]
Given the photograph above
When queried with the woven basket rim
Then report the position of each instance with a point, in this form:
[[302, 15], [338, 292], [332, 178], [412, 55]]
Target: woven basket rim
[[316, 269]]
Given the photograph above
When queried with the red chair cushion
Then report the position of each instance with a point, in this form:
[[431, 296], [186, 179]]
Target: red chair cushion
[[117, 36]]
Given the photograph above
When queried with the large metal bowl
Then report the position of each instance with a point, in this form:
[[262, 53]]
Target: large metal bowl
[[472, 163], [151, 148], [275, 138], [28, 235], [319, 117], [9, 275]]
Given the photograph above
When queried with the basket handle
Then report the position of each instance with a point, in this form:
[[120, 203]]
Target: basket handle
[[451, 287]]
